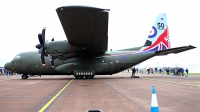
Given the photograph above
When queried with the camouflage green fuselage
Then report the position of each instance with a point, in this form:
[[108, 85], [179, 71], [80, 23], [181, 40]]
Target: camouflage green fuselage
[[110, 63]]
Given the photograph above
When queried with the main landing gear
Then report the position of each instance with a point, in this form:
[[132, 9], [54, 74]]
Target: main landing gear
[[89, 77], [78, 76], [24, 76], [82, 76]]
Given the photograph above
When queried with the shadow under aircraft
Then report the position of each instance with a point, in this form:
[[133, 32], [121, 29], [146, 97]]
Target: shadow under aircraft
[[85, 53]]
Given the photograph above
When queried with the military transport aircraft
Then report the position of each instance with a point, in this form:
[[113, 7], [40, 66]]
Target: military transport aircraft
[[85, 53]]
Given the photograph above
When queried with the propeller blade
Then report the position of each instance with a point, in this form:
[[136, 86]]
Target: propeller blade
[[40, 50], [40, 39], [52, 60], [42, 59], [52, 63], [39, 46], [43, 34]]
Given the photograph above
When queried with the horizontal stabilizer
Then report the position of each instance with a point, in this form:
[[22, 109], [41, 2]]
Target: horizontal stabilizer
[[174, 50]]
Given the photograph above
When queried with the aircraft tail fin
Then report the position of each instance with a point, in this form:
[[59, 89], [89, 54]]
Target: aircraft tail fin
[[158, 38]]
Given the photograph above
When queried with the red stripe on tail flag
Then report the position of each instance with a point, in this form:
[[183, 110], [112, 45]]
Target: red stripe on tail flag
[[162, 39]]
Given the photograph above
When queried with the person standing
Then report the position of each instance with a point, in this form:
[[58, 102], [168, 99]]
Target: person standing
[[182, 71], [133, 72], [186, 70], [179, 71], [142, 70], [176, 71], [148, 71], [167, 70], [171, 71], [8, 73], [160, 70]]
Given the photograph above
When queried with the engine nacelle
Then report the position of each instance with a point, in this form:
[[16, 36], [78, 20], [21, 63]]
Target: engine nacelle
[[56, 48]]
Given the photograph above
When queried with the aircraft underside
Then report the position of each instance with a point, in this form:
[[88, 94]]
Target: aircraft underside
[[86, 76], [78, 74]]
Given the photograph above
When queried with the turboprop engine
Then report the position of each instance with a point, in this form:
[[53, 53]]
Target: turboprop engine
[[54, 49]]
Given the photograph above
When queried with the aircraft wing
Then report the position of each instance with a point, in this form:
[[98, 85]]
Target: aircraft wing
[[86, 26], [174, 50]]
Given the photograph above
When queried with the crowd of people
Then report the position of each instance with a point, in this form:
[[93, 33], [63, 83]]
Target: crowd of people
[[8, 73], [177, 71]]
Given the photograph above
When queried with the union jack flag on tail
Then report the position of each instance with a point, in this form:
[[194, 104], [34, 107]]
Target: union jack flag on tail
[[158, 38]]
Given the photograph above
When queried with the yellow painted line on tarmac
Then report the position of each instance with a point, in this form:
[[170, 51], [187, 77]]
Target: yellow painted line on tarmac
[[173, 82], [52, 99]]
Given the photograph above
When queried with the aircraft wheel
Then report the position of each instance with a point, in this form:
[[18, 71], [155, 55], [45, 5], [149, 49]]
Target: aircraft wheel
[[89, 77], [78, 77], [24, 76]]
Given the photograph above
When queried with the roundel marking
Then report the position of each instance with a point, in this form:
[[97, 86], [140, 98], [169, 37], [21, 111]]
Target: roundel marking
[[123, 58], [154, 34]]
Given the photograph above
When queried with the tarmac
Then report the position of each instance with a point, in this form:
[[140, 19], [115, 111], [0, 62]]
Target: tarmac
[[108, 93]]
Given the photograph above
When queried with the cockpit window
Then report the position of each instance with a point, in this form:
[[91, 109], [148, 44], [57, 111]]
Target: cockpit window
[[18, 56]]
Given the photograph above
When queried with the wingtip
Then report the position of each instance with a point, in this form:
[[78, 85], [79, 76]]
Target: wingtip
[[192, 46]]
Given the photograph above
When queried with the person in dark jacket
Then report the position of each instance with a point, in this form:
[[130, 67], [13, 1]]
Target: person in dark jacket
[[182, 71], [167, 70], [133, 72], [160, 70], [186, 70]]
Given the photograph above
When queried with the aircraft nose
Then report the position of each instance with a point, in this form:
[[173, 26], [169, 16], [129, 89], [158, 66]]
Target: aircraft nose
[[8, 66]]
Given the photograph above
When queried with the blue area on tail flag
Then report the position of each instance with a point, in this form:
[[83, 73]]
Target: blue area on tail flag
[[154, 49], [163, 47]]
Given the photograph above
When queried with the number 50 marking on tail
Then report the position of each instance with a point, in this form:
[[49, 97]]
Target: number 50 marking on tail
[[160, 26]]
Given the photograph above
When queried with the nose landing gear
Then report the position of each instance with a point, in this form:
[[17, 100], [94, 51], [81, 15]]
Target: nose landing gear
[[24, 76]]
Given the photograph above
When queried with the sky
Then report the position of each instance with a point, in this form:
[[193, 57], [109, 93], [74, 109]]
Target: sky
[[129, 24]]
